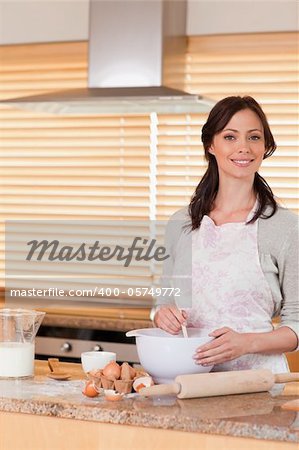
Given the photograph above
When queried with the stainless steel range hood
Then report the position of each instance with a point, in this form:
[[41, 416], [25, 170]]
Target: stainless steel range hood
[[136, 63]]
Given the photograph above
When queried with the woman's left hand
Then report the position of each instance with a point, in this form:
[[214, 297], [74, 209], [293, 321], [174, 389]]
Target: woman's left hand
[[227, 345]]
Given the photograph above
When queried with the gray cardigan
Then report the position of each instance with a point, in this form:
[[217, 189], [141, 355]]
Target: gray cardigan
[[278, 239]]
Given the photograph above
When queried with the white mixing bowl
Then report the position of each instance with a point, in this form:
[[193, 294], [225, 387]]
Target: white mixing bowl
[[164, 356]]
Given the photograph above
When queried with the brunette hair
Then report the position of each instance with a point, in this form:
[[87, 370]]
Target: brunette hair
[[202, 200]]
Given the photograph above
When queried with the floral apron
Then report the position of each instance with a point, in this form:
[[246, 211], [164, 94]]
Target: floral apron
[[229, 288]]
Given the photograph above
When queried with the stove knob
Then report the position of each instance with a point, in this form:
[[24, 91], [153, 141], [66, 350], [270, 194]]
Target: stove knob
[[66, 347], [97, 348]]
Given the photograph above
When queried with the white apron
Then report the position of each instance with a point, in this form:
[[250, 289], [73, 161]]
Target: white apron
[[229, 288]]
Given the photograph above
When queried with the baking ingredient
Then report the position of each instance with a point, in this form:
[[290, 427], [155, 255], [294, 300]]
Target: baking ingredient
[[114, 377], [90, 390], [112, 370], [142, 382], [112, 395], [16, 359]]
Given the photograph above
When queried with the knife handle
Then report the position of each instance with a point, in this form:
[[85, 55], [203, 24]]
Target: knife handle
[[286, 377], [161, 389]]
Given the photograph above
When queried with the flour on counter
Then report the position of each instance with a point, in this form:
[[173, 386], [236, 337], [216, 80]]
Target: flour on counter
[[24, 389]]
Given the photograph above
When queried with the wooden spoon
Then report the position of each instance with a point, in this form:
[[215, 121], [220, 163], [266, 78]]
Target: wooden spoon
[[56, 372], [183, 327], [184, 330]]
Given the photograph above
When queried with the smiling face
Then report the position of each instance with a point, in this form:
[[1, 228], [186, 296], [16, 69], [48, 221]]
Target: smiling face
[[239, 148]]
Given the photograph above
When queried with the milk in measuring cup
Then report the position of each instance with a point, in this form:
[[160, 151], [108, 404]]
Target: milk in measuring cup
[[16, 359]]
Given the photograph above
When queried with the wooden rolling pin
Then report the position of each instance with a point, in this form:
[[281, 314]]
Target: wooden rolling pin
[[220, 383], [292, 405]]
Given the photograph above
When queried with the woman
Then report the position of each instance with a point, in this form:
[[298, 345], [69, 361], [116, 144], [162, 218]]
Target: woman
[[244, 249]]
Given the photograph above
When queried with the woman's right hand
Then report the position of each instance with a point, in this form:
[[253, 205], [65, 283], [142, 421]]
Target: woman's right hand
[[169, 318]]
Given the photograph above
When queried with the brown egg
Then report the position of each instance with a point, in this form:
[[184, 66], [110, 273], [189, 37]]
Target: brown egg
[[112, 370], [90, 390]]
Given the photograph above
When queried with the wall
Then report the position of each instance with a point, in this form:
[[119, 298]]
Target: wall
[[25, 21], [28, 21], [241, 16]]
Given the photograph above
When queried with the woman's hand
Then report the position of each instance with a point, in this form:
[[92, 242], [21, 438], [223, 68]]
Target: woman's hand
[[169, 318], [227, 345]]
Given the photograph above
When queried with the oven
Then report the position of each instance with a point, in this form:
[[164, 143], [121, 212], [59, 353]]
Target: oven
[[67, 343]]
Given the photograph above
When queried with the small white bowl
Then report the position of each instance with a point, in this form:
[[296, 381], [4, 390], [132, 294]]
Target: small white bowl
[[96, 360]]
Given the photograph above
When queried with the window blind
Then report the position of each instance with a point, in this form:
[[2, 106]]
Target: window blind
[[39, 68], [135, 167], [90, 168], [82, 168]]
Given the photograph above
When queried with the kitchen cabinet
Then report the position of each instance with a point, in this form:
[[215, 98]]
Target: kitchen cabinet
[[50, 415]]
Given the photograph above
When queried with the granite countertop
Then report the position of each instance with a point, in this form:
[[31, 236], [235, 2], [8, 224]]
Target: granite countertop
[[249, 415]]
